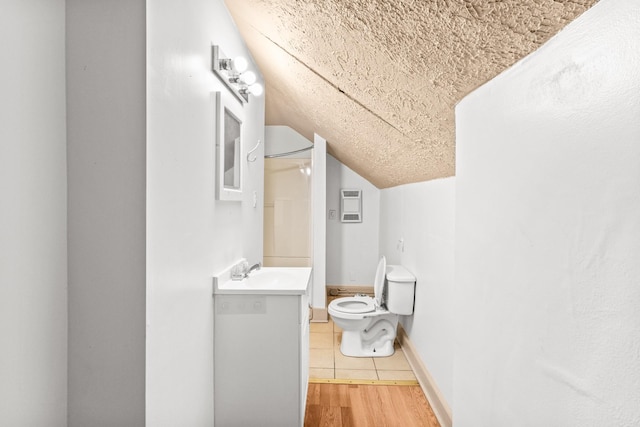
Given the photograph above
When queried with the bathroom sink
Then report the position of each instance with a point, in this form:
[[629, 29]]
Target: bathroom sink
[[265, 281]]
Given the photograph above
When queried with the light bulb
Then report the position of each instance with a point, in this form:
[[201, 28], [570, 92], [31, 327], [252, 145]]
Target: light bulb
[[256, 89], [240, 64], [249, 77]]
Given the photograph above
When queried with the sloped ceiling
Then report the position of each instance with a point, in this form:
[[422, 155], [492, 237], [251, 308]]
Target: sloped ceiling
[[379, 79]]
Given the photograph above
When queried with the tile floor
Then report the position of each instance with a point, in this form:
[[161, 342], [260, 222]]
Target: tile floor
[[326, 361]]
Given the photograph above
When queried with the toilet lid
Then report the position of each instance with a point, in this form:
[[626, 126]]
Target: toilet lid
[[378, 283], [353, 305]]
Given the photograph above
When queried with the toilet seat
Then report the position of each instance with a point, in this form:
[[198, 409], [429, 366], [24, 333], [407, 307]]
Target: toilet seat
[[353, 305], [357, 306], [360, 308]]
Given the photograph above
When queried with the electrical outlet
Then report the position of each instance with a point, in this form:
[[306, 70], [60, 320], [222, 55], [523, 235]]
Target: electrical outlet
[[333, 214]]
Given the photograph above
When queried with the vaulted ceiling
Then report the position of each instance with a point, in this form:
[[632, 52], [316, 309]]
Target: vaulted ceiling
[[379, 79]]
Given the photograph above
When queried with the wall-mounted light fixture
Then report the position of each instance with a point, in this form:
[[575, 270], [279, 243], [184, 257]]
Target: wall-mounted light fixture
[[235, 75]]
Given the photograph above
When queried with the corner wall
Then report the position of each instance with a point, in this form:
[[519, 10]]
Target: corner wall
[[33, 224], [319, 225], [547, 248], [417, 231], [190, 235], [106, 143], [352, 248]]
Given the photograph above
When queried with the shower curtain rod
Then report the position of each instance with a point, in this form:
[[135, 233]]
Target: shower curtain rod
[[270, 156]]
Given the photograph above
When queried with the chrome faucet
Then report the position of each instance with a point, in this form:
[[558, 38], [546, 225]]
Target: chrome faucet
[[241, 270], [253, 267]]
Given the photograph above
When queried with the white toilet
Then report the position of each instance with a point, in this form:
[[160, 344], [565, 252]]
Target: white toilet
[[369, 324]]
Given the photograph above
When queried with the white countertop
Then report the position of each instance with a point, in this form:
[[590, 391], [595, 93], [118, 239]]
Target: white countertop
[[266, 281]]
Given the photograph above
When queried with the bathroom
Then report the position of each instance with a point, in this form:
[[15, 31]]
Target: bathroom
[[525, 260]]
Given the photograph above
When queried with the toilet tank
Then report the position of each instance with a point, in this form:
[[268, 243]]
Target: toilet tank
[[401, 285]]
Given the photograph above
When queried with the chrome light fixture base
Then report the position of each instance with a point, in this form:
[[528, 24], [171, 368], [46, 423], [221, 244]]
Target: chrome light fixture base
[[228, 73]]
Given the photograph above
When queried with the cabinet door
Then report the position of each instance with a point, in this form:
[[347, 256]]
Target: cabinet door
[[256, 365]]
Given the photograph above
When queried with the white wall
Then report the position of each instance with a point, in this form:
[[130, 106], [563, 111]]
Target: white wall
[[106, 211], [547, 248], [33, 230], [352, 248], [417, 231], [190, 235]]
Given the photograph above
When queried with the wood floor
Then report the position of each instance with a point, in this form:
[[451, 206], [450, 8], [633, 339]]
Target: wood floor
[[356, 405]]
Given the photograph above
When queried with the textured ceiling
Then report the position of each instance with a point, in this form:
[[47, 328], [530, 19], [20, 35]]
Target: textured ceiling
[[379, 79]]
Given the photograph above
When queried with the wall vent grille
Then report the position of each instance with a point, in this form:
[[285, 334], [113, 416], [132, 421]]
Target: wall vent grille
[[350, 205]]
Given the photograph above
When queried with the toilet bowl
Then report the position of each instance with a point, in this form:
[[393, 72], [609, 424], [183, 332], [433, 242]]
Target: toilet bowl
[[369, 325]]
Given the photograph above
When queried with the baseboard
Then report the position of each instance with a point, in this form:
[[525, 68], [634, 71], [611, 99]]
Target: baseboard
[[348, 290], [408, 383], [319, 314], [439, 405]]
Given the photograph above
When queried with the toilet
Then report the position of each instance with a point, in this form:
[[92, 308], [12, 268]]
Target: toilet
[[368, 324]]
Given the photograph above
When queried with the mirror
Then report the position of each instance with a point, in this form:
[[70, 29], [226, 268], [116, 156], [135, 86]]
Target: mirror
[[229, 118]]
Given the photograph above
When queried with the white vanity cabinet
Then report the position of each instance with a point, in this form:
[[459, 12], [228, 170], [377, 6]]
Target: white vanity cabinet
[[261, 355]]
